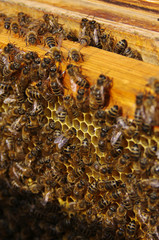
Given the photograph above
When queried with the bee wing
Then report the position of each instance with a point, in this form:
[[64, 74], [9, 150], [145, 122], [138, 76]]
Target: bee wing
[[95, 36], [62, 143], [102, 93], [59, 139], [73, 85], [1, 91], [9, 99], [115, 137]]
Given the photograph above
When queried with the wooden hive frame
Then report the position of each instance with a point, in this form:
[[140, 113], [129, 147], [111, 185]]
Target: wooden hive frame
[[125, 20]]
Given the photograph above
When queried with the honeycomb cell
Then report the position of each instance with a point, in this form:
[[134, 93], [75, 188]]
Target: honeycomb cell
[[76, 124], [88, 137], [47, 112], [54, 115], [153, 142], [64, 128], [51, 106], [144, 141], [95, 140], [88, 118], [68, 121], [91, 130], [84, 127], [80, 135]]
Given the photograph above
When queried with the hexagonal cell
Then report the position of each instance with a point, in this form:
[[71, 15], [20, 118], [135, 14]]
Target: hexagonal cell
[[64, 127], [51, 106], [88, 118], [47, 112], [54, 116], [80, 134], [68, 121], [91, 130], [144, 141], [84, 127], [76, 124], [81, 117], [95, 140], [86, 135], [153, 142]]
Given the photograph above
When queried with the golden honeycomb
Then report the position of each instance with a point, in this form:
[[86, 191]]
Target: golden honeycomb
[[55, 187]]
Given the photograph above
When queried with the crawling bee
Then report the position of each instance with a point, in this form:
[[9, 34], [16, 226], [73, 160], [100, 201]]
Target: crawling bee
[[120, 46], [153, 82], [107, 42], [49, 40], [7, 23], [55, 81], [94, 32], [131, 229], [56, 54], [14, 26], [61, 113], [82, 100], [76, 76], [31, 38], [65, 137], [135, 152], [85, 40], [84, 27], [32, 93], [75, 55], [71, 107], [113, 113], [131, 53]]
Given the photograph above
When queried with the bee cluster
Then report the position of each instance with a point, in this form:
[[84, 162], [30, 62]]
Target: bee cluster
[[76, 167], [48, 31]]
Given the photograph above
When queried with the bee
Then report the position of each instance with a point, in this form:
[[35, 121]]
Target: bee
[[7, 23], [84, 27], [102, 144], [139, 99], [138, 117], [116, 139], [49, 40], [155, 169], [70, 105], [135, 152], [94, 32], [48, 128], [82, 100], [61, 113], [72, 36], [113, 113], [110, 185], [31, 38], [120, 46], [55, 54], [76, 76], [117, 194], [131, 229], [127, 202], [111, 211], [64, 138], [24, 19], [80, 205], [75, 55], [103, 203], [123, 163], [149, 109], [153, 82], [14, 26], [151, 152], [55, 81], [121, 214], [131, 53], [32, 121], [32, 93], [79, 189], [100, 115], [107, 42], [85, 40]]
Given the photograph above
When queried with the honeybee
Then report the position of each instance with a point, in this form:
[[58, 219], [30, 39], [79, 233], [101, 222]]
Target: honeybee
[[127, 202], [131, 230], [94, 32], [55, 81], [155, 169], [120, 46], [61, 113], [116, 138], [79, 189], [131, 53], [80, 205], [135, 152], [65, 137], [32, 93], [51, 21], [100, 115], [103, 203], [24, 19], [14, 26], [48, 128], [149, 109], [70, 105], [18, 123], [49, 40], [121, 214], [110, 185], [76, 76], [102, 144], [151, 152], [153, 82], [111, 212], [123, 162], [113, 113], [31, 38], [92, 190], [85, 40], [82, 100], [56, 54], [33, 121], [7, 23], [75, 55], [107, 41]]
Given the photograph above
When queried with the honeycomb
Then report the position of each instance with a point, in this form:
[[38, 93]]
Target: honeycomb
[[74, 173]]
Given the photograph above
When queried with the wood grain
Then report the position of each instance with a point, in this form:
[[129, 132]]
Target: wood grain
[[124, 19]]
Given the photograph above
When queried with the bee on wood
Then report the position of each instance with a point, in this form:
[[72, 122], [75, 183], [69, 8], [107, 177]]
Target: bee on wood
[[107, 42], [131, 53], [14, 26], [84, 41], [49, 40], [56, 54], [149, 109], [24, 19], [75, 55], [84, 27], [65, 137], [120, 46], [31, 38], [153, 82], [76, 77], [94, 30], [7, 22]]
